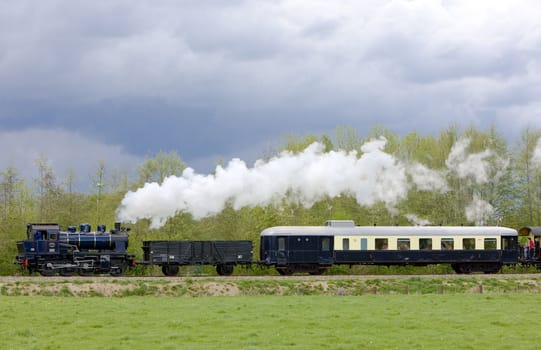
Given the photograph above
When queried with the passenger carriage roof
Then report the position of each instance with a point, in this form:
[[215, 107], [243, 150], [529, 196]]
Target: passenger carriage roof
[[389, 231]]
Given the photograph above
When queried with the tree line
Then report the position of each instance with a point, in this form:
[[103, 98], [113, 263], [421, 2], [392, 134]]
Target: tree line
[[514, 194]]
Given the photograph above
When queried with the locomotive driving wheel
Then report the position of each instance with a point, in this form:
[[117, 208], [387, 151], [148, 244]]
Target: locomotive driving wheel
[[117, 270], [46, 271], [67, 272]]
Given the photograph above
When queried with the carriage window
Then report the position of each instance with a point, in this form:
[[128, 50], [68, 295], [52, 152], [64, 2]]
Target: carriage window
[[403, 243], [281, 243], [490, 244], [382, 244], [345, 243], [468, 243], [425, 243], [326, 244], [447, 244]]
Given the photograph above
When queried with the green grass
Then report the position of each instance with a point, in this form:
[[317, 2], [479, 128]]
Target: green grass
[[469, 321]]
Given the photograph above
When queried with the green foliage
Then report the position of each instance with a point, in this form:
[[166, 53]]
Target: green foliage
[[157, 168]]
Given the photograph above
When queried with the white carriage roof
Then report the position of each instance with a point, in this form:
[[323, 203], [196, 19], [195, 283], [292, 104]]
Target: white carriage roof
[[389, 231]]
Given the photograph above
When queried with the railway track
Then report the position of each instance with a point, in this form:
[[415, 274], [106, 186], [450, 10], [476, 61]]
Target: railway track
[[37, 278]]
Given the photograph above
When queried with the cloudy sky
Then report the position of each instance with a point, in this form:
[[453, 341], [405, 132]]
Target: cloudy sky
[[84, 81]]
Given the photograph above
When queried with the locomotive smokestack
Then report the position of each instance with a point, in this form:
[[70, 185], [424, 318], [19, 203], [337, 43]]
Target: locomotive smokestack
[[117, 228]]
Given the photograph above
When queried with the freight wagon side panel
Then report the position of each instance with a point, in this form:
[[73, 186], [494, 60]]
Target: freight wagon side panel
[[197, 252]]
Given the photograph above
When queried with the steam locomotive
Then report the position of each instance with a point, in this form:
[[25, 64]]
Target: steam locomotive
[[49, 251], [289, 249]]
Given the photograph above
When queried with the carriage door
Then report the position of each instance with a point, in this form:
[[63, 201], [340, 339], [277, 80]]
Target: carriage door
[[281, 256], [326, 251], [510, 248], [364, 244]]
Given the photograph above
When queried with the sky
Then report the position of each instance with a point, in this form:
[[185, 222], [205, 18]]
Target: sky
[[117, 81]]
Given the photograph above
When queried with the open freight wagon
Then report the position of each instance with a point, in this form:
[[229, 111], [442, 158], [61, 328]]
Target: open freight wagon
[[170, 255]]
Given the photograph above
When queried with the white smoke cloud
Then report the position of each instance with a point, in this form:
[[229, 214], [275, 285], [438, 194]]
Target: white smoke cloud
[[479, 211], [476, 166], [536, 158], [426, 179], [414, 219], [304, 178]]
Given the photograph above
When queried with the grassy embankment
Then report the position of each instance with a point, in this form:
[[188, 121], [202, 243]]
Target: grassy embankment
[[253, 286]]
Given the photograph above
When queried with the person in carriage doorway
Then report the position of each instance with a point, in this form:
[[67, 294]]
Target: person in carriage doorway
[[531, 249]]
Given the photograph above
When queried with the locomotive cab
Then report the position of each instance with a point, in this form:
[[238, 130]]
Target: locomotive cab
[[42, 232]]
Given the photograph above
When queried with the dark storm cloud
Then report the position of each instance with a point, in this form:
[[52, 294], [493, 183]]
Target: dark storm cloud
[[221, 79]]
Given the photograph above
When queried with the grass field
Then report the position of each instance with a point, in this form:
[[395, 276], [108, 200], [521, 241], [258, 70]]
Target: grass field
[[469, 321]]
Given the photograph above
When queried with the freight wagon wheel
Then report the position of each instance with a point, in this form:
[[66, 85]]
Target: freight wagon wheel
[[170, 270], [224, 270], [317, 272]]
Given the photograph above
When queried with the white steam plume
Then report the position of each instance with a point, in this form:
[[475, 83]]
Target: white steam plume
[[475, 166], [414, 219], [302, 178], [479, 211], [478, 168], [536, 158]]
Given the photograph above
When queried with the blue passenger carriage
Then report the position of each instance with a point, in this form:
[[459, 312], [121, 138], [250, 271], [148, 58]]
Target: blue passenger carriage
[[314, 248]]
